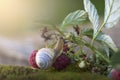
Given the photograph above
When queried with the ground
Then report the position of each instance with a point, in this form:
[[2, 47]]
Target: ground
[[28, 73]]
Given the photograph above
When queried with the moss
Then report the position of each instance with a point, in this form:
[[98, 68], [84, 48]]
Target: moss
[[27, 73]]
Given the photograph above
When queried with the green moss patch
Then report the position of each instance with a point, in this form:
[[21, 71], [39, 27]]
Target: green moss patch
[[27, 73]]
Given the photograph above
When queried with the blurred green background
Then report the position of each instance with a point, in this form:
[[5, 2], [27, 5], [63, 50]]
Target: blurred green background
[[21, 16]]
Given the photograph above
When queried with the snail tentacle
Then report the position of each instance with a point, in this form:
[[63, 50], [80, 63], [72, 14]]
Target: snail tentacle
[[59, 47]]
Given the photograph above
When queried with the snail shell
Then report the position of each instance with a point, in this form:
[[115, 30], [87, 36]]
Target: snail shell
[[46, 56]]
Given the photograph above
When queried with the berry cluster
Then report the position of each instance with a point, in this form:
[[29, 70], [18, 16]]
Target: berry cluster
[[32, 59], [65, 48], [115, 74], [61, 62]]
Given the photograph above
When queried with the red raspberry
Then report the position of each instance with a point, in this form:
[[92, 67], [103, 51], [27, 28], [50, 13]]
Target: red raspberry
[[32, 61], [65, 48], [115, 74], [61, 62]]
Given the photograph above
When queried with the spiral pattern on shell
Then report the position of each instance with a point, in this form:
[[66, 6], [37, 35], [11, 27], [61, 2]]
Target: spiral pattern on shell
[[44, 58]]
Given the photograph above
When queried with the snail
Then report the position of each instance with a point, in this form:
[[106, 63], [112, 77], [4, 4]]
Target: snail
[[45, 57]]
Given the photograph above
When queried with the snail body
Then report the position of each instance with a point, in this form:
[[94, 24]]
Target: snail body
[[45, 57]]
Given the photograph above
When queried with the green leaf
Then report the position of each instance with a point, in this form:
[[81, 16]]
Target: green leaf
[[92, 14], [107, 50], [101, 37], [74, 18], [107, 40], [112, 13], [115, 59], [87, 32]]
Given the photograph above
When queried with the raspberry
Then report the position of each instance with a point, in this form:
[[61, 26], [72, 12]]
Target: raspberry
[[32, 61], [65, 48], [116, 74], [61, 62]]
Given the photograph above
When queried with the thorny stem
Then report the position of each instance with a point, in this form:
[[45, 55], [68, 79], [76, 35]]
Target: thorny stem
[[102, 24], [91, 47], [57, 29], [81, 37], [94, 37]]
